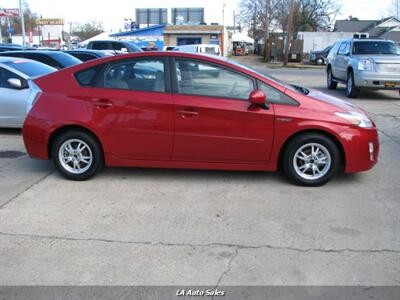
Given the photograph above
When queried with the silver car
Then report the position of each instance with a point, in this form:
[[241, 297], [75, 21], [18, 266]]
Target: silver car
[[17, 90], [364, 64]]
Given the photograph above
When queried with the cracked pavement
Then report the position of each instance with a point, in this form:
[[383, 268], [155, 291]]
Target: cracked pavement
[[212, 228]]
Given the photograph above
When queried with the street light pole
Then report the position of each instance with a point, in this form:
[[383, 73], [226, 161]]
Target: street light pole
[[21, 12]]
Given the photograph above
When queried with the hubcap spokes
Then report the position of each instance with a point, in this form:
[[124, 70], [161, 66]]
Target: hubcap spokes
[[75, 156], [312, 161]]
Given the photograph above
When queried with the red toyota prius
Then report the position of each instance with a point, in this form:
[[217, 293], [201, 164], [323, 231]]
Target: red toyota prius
[[182, 110]]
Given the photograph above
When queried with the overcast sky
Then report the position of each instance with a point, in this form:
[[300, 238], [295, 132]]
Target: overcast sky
[[113, 14]]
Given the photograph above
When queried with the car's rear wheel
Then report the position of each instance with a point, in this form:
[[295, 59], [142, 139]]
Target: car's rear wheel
[[320, 61], [77, 155], [329, 80], [351, 90], [311, 159]]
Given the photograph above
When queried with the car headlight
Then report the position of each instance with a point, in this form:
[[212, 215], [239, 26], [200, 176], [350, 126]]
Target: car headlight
[[365, 65], [355, 118]]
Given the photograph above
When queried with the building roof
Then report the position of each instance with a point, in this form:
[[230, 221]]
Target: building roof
[[392, 35], [151, 30], [375, 28], [353, 26]]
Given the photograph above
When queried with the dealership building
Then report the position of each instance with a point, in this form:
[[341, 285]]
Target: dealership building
[[174, 25]]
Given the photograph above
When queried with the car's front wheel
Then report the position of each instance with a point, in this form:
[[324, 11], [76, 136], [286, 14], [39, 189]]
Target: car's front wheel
[[320, 61], [311, 159], [329, 80], [77, 155], [351, 90]]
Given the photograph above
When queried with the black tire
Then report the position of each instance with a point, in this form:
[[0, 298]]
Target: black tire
[[93, 150], [329, 80], [351, 90], [328, 172]]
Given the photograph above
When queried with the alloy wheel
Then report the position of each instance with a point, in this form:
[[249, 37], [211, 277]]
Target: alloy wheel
[[75, 156], [312, 161]]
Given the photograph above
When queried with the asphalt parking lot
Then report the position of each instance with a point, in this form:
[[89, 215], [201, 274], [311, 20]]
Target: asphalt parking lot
[[188, 227]]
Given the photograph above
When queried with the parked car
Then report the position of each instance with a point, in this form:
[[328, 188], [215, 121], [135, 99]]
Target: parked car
[[168, 48], [319, 57], [101, 113], [85, 54], [117, 46], [55, 59], [10, 47], [17, 90], [200, 48], [364, 64]]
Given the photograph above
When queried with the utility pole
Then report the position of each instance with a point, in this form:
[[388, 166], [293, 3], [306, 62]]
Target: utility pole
[[289, 33], [21, 12], [266, 30], [234, 22], [223, 13]]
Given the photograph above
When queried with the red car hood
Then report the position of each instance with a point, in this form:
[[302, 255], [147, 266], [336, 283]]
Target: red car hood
[[341, 105]]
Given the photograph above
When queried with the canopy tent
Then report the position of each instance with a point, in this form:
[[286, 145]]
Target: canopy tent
[[241, 37], [99, 37]]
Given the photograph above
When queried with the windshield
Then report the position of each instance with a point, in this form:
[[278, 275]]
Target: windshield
[[327, 49], [133, 47], [65, 59], [30, 67], [377, 47]]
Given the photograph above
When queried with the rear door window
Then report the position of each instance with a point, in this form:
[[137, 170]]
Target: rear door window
[[146, 75]]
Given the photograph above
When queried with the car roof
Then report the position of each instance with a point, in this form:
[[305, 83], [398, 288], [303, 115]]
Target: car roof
[[94, 51], [181, 54], [102, 41], [45, 52], [10, 58], [365, 40]]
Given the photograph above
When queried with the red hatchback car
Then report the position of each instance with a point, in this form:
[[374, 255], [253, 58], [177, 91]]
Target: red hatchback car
[[181, 110]]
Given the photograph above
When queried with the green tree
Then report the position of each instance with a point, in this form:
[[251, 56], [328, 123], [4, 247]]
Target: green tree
[[87, 30]]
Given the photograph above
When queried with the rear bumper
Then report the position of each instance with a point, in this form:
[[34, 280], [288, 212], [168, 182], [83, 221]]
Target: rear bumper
[[374, 80], [361, 148], [35, 135]]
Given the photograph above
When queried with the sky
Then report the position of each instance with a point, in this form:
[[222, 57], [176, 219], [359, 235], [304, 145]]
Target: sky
[[112, 15]]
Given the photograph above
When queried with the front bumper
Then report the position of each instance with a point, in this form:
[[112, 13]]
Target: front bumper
[[361, 147], [375, 80]]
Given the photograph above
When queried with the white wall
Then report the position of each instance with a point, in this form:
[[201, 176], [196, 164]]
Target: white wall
[[17, 39], [320, 40]]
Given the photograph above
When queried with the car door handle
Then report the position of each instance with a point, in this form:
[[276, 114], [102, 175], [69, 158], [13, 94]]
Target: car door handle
[[187, 113], [102, 102]]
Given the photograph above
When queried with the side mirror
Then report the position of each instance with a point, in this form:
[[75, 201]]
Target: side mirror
[[258, 99], [124, 50], [16, 83]]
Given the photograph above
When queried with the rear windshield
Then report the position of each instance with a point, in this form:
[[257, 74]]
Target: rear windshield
[[377, 47], [65, 59], [30, 67]]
